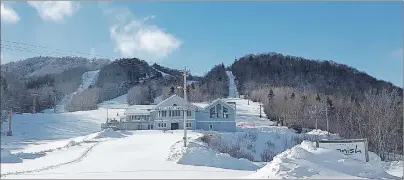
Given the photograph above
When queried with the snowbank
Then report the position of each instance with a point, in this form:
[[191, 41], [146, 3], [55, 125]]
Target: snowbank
[[260, 144], [395, 168], [8, 157], [307, 161], [198, 154], [323, 134]]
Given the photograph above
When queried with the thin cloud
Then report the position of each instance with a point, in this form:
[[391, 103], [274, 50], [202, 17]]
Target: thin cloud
[[55, 10], [8, 15], [137, 38]]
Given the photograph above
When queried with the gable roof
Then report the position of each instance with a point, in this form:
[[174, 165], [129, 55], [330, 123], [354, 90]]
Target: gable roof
[[218, 101], [176, 100]]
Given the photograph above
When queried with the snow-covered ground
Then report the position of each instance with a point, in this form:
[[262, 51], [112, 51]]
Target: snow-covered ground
[[142, 154]]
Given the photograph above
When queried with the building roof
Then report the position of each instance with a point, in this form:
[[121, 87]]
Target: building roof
[[174, 100], [139, 109], [201, 105], [220, 101]]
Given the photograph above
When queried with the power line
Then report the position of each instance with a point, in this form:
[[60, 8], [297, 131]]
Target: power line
[[57, 49], [43, 50], [32, 50]]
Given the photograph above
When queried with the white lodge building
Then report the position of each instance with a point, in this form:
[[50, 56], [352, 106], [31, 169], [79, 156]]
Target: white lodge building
[[169, 115]]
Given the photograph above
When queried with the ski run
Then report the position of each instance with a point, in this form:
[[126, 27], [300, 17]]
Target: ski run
[[71, 145]]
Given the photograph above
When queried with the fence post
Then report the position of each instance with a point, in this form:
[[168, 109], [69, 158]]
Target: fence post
[[366, 150]]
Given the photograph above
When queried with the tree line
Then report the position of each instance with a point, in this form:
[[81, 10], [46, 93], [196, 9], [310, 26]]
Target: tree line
[[296, 91]]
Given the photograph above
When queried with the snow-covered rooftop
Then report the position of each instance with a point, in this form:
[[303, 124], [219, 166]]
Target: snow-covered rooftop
[[201, 105], [139, 109]]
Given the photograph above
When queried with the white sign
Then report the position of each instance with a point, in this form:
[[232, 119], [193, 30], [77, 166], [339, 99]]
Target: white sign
[[356, 148], [172, 108]]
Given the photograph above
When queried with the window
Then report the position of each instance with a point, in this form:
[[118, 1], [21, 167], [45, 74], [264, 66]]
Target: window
[[225, 113], [163, 113], [210, 126], [189, 113], [164, 125], [169, 113], [218, 111], [188, 125], [177, 113], [212, 112]]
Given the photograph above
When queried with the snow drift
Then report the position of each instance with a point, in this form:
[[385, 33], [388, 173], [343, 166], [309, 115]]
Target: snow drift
[[259, 144], [198, 154], [307, 161], [323, 134], [8, 157]]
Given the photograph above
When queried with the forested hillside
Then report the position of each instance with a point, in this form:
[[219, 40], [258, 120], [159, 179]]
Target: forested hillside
[[324, 76], [31, 85], [297, 92]]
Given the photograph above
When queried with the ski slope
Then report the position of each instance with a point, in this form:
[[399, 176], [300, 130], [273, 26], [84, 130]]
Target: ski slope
[[233, 93], [119, 102], [87, 79]]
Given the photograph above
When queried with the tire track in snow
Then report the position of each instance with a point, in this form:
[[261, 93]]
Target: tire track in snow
[[78, 159]]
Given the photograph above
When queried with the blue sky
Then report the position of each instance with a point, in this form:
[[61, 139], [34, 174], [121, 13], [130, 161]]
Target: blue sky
[[365, 35]]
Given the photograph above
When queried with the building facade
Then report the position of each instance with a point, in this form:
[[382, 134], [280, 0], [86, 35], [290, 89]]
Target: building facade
[[217, 116], [169, 115]]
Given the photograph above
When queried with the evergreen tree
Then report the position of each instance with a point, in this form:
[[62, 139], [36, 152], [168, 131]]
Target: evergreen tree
[[330, 105], [292, 96], [318, 98], [271, 95], [172, 90]]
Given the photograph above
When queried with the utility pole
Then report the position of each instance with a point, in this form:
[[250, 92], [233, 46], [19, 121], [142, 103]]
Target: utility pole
[[54, 99], [107, 115], [260, 110], [315, 114], [34, 104], [185, 73], [10, 133], [326, 116]]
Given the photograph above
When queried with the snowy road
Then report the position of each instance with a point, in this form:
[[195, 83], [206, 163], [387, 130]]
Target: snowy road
[[137, 156]]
